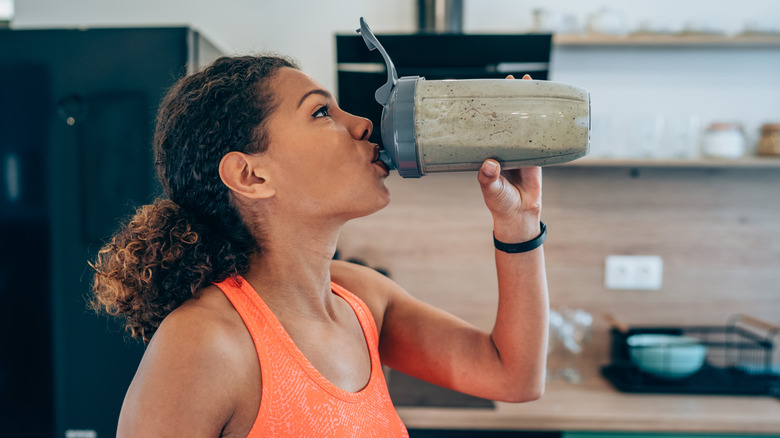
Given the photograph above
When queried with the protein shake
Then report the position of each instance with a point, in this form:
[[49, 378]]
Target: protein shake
[[459, 124], [455, 125]]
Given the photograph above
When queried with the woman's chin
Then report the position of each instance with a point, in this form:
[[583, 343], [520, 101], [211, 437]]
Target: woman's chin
[[380, 204]]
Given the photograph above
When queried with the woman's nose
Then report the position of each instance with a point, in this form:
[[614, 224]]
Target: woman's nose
[[361, 128]]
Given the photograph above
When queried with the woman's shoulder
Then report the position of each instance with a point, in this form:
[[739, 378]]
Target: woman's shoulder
[[200, 355], [199, 360], [207, 327], [200, 330], [208, 321]]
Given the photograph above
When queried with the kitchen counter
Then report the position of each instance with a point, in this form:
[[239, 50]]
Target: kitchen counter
[[595, 405]]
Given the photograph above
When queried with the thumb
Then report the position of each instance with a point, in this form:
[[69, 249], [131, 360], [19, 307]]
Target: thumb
[[489, 175]]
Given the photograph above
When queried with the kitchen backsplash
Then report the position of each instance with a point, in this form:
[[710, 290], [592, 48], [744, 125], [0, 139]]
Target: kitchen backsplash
[[717, 231]]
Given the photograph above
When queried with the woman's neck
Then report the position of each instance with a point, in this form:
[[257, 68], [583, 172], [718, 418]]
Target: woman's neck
[[291, 272]]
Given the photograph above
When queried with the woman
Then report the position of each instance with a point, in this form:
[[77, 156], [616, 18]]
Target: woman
[[252, 329]]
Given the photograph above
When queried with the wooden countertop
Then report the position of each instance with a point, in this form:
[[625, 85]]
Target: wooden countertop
[[596, 406]]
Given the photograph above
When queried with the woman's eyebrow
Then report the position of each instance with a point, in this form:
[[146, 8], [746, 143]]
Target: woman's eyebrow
[[319, 91]]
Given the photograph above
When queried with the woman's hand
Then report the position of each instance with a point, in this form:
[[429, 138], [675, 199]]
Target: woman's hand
[[514, 198]]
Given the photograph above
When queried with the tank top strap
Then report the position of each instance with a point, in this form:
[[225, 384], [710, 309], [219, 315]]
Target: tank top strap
[[363, 313], [247, 303]]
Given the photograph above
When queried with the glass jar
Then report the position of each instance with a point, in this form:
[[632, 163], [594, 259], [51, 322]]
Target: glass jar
[[723, 140], [769, 143]]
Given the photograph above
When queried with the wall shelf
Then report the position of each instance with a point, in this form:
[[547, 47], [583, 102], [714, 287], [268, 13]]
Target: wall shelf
[[713, 163], [668, 40], [638, 41]]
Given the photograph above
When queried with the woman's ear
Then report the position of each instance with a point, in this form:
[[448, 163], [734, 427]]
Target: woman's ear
[[245, 175]]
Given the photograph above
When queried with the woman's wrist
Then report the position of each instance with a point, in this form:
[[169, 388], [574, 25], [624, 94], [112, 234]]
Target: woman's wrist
[[525, 246], [517, 229]]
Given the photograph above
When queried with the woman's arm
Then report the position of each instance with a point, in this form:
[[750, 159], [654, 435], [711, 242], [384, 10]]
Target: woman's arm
[[507, 364], [520, 331]]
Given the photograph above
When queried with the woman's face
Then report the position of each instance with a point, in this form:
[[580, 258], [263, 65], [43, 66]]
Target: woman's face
[[319, 156]]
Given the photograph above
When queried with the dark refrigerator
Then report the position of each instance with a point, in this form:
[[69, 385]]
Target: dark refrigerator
[[77, 110]]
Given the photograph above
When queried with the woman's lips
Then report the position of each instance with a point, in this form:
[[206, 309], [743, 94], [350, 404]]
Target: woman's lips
[[382, 165], [377, 161]]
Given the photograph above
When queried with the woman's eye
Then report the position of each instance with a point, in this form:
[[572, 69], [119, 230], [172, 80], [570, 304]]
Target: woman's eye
[[323, 111]]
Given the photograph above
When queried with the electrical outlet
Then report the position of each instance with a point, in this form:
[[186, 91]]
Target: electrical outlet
[[633, 272]]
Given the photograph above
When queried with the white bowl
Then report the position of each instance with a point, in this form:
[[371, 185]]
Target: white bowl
[[667, 356]]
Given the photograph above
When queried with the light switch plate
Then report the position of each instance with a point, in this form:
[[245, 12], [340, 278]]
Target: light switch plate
[[633, 272]]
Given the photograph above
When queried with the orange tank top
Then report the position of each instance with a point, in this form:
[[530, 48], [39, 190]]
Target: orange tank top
[[298, 401]]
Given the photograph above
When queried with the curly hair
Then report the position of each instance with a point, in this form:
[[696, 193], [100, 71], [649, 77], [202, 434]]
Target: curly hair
[[193, 234]]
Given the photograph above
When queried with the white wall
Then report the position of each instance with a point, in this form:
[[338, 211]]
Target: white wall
[[629, 88], [516, 15]]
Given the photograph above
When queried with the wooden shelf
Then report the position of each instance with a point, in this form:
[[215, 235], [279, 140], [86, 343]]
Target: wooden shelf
[[714, 163], [670, 40]]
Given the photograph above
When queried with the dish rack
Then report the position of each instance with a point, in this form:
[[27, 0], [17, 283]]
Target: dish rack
[[738, 361]]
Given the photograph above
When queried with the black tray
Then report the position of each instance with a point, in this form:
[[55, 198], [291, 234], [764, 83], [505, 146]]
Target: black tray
[[708, 380], [738, 362]]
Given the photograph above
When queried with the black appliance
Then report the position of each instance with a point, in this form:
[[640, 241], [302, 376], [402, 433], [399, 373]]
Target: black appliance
[[433, 56], [77, 108]]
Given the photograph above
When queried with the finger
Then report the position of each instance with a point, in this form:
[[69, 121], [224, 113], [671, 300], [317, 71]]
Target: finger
[[531, 179], [489, 174], [493, 186], [510, 77], [526, 179], [526, 77], [514, 176]]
